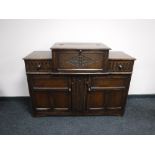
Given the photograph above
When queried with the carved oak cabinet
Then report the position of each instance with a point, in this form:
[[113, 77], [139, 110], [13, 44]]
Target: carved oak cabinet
[[78, 79]]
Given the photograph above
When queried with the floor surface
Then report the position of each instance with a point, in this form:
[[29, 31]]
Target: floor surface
[[139, 118]]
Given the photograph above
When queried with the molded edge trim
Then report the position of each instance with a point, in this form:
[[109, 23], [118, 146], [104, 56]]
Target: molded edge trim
[[27, 98]]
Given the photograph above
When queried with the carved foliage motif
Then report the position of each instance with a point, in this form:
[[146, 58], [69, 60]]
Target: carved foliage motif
[[80, 61], [126, 66], [38, 65]]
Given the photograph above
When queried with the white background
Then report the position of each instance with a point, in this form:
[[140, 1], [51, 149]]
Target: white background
[[20, 37], [66, 9]]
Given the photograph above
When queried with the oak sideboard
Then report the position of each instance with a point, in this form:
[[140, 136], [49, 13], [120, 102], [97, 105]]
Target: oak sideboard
[[78, 79]]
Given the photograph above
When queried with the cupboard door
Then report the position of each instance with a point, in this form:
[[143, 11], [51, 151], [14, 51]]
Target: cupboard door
[[50, 92], [80, 60], [106, 92]]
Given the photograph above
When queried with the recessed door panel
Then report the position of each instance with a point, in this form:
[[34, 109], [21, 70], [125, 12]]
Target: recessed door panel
[[40, 100], [96, 100], [58, 100], [116, 98]]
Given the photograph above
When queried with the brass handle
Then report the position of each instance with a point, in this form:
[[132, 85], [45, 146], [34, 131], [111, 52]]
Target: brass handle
[[120, 66], [80, 52], [69, 89], [89, 88], [38, 66]]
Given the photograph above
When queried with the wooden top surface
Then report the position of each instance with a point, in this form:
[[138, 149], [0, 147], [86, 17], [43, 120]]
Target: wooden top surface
[[37, 55], [118, 55], [90, 46], [113, 55]]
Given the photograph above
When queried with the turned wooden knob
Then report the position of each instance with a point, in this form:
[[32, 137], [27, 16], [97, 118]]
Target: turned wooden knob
[[120, 66]]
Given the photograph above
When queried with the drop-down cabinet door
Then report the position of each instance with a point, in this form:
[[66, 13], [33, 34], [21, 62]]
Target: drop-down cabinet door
[[107, 94]]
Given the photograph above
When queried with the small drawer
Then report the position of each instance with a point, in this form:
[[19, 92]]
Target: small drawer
[[38, 65], [120, 66]]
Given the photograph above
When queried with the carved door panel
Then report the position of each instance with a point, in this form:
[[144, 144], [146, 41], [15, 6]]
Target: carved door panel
[[80, 60], [78, 93], [57, 100]]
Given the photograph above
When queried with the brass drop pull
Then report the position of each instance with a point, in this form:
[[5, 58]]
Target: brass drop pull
[[120, 66], [69, 89]]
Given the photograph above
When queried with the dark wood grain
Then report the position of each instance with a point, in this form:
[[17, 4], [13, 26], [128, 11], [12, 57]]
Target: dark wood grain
[[95, 86], [41, 55], [80, 60]]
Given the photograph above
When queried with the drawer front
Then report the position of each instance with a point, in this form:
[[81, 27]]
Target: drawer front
[[120, 66], [38, 65], [81, 60]]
